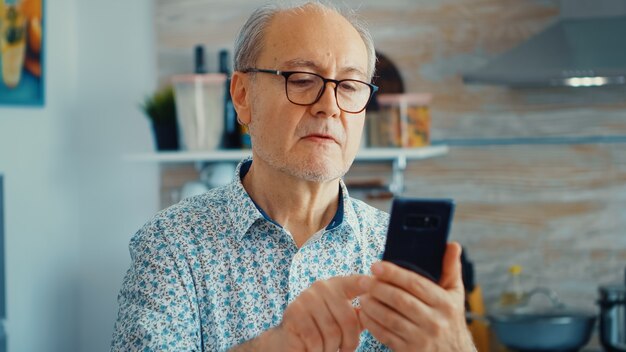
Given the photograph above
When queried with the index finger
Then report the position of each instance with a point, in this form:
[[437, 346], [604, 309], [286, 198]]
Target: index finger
[[349, 285]]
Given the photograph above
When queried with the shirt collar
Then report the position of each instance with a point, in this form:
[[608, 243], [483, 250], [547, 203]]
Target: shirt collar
[[350, 217], [244, 212]]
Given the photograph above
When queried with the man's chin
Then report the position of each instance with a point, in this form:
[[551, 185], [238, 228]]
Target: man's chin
[[318, 170], [319, 177], [310, 166]]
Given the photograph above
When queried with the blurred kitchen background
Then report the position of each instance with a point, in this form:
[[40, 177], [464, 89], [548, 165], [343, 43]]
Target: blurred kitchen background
[[538, 171]]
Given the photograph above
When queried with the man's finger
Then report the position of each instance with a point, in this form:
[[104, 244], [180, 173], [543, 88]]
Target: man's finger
[[400, 301], [342, 310], [326, 324], [347, 319], [382, 333], [407, 280], [451, 278], [310, 334], [349, 285]]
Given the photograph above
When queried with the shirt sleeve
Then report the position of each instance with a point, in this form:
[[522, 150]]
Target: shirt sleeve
[[157, 303]]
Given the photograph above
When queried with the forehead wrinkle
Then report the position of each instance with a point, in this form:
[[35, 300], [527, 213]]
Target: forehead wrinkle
[[301, 63], [298, 63]]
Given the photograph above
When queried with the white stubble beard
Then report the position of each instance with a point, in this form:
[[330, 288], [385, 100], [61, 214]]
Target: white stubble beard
[[314, 168]]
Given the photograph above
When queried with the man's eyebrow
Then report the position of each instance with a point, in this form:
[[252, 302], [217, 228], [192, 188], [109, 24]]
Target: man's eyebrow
[[354, 70], [295, 63], [298, 63]]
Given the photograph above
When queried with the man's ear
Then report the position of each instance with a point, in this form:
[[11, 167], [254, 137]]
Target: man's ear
[[240, 91]]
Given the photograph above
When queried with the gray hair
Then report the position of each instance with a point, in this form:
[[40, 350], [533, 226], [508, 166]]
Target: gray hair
[[249, 41]]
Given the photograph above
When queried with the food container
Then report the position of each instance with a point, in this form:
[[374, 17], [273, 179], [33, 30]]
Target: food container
[[403, 121], [613, 317], [200, 110]]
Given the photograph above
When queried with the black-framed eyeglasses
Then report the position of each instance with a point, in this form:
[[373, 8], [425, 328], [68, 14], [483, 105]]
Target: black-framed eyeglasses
[[306, 88]]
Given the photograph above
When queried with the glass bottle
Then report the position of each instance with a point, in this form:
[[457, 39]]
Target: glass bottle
[[513, 292], [199, 66]]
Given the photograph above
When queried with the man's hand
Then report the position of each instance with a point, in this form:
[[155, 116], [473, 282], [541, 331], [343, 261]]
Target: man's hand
[[321, 318], [408, 312]]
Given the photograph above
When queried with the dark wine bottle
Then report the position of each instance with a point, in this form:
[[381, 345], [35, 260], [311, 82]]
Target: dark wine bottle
[[231, 138], [199, 62]]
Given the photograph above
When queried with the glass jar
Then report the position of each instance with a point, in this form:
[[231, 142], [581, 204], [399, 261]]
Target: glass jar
[[402, 121]]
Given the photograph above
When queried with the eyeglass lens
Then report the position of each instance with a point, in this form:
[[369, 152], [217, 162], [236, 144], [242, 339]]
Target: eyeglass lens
[[306, 88]]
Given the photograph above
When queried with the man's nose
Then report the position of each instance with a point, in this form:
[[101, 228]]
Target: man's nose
[[327, 103]]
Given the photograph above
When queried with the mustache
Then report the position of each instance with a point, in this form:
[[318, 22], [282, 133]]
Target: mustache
[[333, 130]]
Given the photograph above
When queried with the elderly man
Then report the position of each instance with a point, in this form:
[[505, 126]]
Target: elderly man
[[282, 259]]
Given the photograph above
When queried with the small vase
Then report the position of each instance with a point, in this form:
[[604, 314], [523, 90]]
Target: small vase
[[165, 135]]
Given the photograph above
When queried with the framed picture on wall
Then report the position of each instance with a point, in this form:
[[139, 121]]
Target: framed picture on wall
[[21, 52]]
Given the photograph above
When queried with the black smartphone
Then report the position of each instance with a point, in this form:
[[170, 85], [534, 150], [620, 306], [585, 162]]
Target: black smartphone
[[418, 233]]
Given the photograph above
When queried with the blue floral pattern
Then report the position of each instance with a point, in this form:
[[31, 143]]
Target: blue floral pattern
[[212, 271]]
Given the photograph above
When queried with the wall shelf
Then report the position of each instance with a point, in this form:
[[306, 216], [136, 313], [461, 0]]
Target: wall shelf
[[368, 154], [398, 156]]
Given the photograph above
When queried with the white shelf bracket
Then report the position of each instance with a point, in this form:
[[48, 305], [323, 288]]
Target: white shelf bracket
[[397, 177]]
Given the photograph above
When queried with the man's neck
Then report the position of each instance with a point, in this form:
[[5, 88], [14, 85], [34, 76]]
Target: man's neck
[[301, 207]]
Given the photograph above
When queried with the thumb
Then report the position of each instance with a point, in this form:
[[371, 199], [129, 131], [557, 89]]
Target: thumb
[[351, 286], [451, 278]]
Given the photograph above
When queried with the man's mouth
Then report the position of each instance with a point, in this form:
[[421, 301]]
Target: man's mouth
[[321, 138]]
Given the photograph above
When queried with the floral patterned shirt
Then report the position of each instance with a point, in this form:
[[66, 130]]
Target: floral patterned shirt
[[214, 271]]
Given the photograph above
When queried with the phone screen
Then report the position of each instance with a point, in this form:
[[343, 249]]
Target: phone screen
[[418, 233]]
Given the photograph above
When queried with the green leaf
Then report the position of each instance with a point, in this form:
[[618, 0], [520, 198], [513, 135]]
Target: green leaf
[[161, 106]]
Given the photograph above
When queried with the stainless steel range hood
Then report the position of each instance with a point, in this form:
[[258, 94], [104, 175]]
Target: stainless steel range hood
[[585, 47]]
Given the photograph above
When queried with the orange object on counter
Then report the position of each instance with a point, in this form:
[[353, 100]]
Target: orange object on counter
[[478, 329]]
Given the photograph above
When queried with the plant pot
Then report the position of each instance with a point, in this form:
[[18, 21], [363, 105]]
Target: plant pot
[[165, 135]]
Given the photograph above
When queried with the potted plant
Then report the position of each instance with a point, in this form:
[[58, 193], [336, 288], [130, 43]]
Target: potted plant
[[160, 108]]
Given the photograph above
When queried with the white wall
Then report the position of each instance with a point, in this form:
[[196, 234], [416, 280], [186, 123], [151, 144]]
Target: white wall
[[72, 203], [116, 66]]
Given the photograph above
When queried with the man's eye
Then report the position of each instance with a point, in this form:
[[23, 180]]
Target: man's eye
[[349, 86], [302, 83]]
